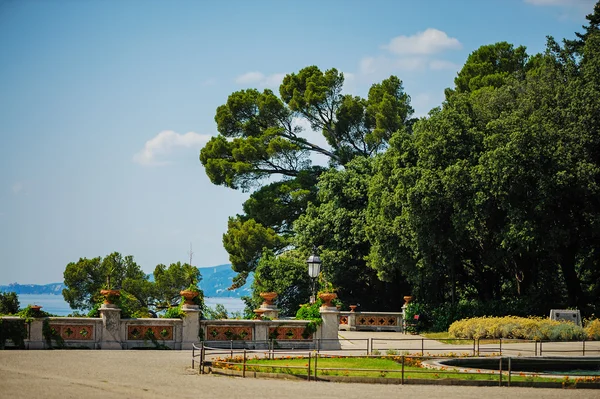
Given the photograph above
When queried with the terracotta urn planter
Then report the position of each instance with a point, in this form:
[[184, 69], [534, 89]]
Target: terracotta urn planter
[[352, 308], [268, 297], [189, 296], [110, 296], [35, 309], [259, 313], [327, 297], [407, 299]]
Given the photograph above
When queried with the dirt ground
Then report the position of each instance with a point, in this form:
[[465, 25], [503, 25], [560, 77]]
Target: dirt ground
[[167, 374]]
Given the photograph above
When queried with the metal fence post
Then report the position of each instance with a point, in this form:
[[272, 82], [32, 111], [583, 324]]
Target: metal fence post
[[308, 372], [541, 348], [193, 355], [316, 358], [402, 378], [244, 365], [422, 346], [202, 353], [478, 343], [509, 369], [583, 348], [231, 348], [473, 347], [370, 346], [500, 370], [500, 346]]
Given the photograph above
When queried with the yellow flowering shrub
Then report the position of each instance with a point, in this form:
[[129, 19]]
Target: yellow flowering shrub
[[520, 328], [592, 329]]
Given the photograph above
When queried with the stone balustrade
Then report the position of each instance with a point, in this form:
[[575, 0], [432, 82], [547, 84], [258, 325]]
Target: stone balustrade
[[109, 331], [371, 321]]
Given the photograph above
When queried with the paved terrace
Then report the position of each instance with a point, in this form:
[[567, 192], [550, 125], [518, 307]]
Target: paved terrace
[[414, 344], [159, 374]]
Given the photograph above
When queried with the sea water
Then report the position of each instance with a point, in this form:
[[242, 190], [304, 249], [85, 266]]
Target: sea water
[[56, 305]]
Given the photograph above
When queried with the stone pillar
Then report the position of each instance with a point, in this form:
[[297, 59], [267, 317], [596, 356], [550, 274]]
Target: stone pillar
[[261, 331], [352, 321], [111, 322], [36, 335], [328, 330], [270, 311], [191, 326]]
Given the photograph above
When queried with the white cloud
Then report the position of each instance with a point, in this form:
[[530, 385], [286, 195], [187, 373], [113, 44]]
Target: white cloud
[[429, 41], [260, 79], [18, 187], [350, 83], [164, 143], [273, 80], [249, 77], [437, 65], [385, 65]]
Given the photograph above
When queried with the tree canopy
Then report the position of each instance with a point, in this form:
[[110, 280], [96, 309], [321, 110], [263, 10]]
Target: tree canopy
[[497, 191], [262, 136], [139, 296], [492, 196]]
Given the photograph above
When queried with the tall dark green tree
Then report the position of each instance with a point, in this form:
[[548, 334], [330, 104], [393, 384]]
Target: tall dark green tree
[[261, 137], [497, 192], [337, 226]]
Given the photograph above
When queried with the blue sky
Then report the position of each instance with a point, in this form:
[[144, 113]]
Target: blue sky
[[104, 105]]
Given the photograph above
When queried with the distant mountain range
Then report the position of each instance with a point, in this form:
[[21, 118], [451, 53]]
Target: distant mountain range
[[215, 281]]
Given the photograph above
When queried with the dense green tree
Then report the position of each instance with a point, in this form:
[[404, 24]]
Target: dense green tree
[[9, 303], [337, 226], [576, 45], [496, 193], [84, 279], [285, 274], [169, 281], [139, 296], [261, 136], [491, 66], [245, 241]]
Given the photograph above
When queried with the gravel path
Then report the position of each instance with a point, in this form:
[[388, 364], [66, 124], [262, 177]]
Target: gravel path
[[166, 374]]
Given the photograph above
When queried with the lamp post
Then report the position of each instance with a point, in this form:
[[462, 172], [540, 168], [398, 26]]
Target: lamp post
[[314, 268]]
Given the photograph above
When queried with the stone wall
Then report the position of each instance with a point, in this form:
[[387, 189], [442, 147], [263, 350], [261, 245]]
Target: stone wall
[[109, 331]]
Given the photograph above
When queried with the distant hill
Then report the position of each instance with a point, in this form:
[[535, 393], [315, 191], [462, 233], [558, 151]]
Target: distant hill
[[52, 288], [215, 281]]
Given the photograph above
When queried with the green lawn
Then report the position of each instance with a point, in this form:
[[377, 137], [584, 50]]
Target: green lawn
[[382, 367]]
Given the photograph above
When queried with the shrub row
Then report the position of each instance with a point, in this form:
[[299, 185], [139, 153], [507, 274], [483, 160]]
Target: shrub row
[[437, 318], [523, 328]]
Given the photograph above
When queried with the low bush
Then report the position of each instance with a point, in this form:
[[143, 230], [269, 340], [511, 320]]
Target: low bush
[[517, 327], [592, 329], [435, 318]]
